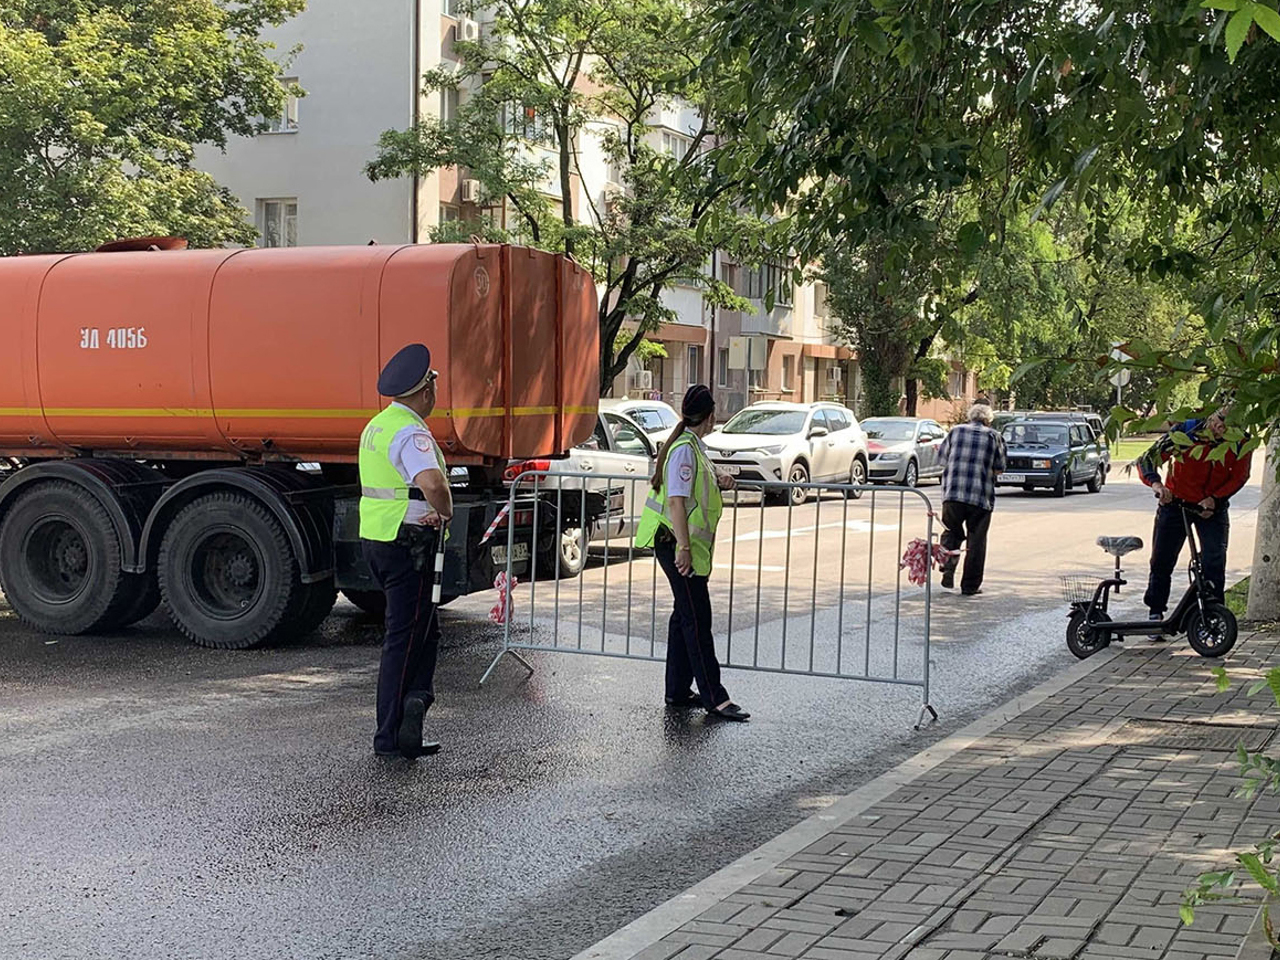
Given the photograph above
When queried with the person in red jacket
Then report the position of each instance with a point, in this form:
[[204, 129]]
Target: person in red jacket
[[1194, 478]]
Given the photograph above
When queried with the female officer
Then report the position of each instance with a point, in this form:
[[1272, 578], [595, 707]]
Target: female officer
[[679, 523]]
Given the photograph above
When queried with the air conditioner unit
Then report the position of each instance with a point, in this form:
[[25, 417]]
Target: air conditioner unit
[[471, 191], [642, 380], [468, 30]]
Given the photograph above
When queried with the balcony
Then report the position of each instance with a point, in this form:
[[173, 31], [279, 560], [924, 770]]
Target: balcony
[[775, 323]]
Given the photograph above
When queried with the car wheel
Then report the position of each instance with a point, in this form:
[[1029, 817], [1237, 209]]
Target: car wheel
[[799, 474], [912, 477], [857, 477], [572, 555], [1096, 481], [1060, 485]]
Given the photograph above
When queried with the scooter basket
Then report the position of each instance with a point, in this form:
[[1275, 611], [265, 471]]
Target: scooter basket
[[1079, 587]]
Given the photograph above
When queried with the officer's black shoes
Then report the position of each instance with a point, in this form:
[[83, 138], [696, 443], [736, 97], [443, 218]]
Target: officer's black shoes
[[731, 711], [428, 749], [685, 701], [410, 738], [948, 578]]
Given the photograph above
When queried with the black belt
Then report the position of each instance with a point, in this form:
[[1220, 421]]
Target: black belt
[[416, 494]]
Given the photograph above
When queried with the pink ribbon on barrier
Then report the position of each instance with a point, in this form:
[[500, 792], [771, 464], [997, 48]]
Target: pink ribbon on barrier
[[502, 609], [493, 527], [915, 559]]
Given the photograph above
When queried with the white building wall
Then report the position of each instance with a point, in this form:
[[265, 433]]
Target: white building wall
[[356, 68]]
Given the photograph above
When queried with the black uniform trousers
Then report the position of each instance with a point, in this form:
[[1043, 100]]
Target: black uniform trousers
[[1166, 543], [691, 650], [966, 522], [412, 640]]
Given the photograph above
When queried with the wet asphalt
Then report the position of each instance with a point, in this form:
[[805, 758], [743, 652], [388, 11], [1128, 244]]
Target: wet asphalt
[[158, 800]]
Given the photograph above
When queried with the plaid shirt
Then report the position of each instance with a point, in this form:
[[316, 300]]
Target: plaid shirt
[[971, 455]]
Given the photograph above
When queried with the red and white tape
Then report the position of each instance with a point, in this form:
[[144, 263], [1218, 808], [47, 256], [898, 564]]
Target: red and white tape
[[497, 522]]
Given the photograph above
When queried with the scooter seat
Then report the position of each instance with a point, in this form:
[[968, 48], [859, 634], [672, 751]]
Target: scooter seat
[[1119, 546]]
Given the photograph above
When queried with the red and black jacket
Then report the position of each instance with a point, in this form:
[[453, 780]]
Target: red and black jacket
[[1192, 475]]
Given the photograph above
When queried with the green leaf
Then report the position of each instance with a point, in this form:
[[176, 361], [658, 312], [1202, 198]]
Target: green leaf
[[1085, 158], [1267, 19], [1237, 30], [971, 238], [1028, 82], [1187, 913], [1022, 369], [1049, 199], [1259, 873], [870, 33], [1221, 679], [1221, 4], [1273, 681]]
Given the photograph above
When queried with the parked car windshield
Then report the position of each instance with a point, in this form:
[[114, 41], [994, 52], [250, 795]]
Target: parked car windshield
[[771, 422], [1036, 434], [651, 420], [889, 429]]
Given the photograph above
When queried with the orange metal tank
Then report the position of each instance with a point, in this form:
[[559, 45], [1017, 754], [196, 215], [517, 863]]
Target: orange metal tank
[[274, 354]]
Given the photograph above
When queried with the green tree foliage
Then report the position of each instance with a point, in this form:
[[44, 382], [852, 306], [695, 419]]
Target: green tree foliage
[[557, 75], [102, 104]]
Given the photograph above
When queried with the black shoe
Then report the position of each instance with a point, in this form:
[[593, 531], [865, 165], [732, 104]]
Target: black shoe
[[732, 712], [430, 748], [685, 701], [948, 578], [410, 738], [971, 593]]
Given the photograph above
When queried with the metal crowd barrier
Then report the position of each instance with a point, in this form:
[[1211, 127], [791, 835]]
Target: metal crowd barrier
[[830, 609]]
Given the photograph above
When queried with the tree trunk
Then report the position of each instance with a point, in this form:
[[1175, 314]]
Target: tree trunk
[[1264, 579], [565, 137], [878, 396], [913, 396]]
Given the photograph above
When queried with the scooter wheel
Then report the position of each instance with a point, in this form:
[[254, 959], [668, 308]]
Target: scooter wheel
[[1085, 635], [1213, 632]]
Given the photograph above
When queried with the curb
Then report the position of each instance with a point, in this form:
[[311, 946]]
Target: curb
[[648, 929]]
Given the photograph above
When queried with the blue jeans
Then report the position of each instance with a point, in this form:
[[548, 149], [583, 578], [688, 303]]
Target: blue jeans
[[1166, 543]]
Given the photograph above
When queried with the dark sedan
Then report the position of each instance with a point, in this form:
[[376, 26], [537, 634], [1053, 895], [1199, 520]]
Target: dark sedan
[[1055, 455]]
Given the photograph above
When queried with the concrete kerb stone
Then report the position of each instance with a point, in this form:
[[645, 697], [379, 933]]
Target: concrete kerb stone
[[665, 919]]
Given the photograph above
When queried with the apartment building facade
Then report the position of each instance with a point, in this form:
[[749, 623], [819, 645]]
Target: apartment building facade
[[360, 65]]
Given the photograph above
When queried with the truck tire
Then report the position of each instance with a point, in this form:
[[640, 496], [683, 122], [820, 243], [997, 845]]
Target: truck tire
[[228, 574], [372, 602], [60, 560], [144, 597], [319, 600]]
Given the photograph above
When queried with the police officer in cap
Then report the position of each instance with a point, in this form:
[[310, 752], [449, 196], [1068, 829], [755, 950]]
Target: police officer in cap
[[405, 507]]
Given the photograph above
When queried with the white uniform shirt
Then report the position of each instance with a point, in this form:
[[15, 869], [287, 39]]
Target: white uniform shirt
[[681, 468], [411, 451]]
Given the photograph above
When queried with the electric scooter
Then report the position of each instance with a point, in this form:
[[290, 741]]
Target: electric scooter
[[1210, 627]]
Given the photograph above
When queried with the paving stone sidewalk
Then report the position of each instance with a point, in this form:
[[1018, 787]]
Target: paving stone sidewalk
[[1069, 832]]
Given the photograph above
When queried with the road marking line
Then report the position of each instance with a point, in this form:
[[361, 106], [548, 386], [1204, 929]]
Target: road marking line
[[857, 526]]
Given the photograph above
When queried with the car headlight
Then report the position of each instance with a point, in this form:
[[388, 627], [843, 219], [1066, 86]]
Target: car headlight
[[769, 451], [890, 457], [1041, 464]]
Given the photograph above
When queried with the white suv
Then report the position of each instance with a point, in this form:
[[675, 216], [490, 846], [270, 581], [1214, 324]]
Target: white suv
[[792, 442]]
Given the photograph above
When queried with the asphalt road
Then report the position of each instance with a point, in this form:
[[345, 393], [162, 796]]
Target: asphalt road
[[158, 800]]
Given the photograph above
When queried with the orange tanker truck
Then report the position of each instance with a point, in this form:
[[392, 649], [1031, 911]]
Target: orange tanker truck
[[182, 425]]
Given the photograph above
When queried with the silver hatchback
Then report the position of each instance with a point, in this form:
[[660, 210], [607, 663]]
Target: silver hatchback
[[903, 450]]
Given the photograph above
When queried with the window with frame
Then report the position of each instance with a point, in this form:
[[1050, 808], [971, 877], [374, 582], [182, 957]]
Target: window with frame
[[526, 122], [756, 379], [455, 8], [675, 145], [770, 276], [693, 365], [287, 120], [788, 374], [278, 222], [722, 367], [449, 213], [448, 104]]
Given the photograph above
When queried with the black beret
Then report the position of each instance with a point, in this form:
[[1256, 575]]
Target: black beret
[[404, 371]]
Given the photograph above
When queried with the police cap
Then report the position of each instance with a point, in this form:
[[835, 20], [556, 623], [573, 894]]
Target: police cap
[[406, 372]]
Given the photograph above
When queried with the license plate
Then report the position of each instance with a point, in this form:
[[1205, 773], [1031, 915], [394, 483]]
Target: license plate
[[730, 469], [1013, 478], [519, 553]]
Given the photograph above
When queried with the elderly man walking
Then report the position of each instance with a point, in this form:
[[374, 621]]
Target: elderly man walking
[[972, 457]]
